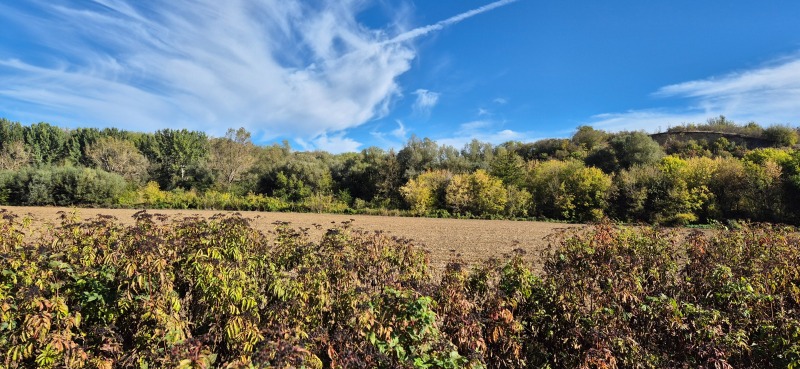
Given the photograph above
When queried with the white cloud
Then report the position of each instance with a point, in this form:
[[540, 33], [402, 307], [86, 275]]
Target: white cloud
[[400, 132], [483, 130], [767, 94], [278, 67], [779, 77], [500, 101], [335, 144], [392, 139], [651, 121], [426, 100], [475, 126]]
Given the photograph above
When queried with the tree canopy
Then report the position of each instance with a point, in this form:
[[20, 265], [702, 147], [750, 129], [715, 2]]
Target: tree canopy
[[593, 174]]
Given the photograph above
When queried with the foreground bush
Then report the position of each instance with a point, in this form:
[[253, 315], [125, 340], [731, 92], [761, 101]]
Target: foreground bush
[[217, 293]]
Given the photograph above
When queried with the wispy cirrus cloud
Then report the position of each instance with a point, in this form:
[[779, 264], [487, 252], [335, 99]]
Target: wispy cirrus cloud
[[400, 132], [394, 138], [421, 31], [426, 100], [767, 94], [210, 64], [278, 67]]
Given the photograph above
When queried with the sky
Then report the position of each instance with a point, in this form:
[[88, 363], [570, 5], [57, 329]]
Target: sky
[[343, 75]]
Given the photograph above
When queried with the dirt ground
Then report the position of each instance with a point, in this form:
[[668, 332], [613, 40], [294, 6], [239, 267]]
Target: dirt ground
[[472, 240]]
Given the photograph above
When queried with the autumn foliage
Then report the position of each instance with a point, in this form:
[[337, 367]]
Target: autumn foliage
[[217, 293]]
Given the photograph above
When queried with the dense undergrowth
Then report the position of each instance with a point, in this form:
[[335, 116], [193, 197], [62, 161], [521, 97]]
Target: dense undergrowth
[[218, 293]]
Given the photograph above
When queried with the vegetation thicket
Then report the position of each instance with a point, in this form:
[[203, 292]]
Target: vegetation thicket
[[688, 178], [202, 293]]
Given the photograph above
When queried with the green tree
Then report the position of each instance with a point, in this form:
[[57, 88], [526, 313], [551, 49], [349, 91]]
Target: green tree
[[781, 136], [791, 174], [372, 175], [546, 149], [417, 156], [178, 157], [478, 154], [79, 140], [391, 179], [451, 159], [636, 148], [605, 158], [298, 176], [10, 132], [625, 150], [630, 192], [588, 138], [676, 191], [569, 190], [508, 166], [291, 188], [47, 144], [765, 192], [267, 159]]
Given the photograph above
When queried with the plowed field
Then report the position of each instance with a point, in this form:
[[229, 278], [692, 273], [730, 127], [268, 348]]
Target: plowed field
[[472, 240]]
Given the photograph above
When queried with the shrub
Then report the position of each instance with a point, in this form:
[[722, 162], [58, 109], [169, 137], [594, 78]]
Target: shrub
[[319, 203], [216, 292], [781, 136], [152, 197], [63, 186]]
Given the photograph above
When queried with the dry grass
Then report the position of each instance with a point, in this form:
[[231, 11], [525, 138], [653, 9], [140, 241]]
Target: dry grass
[[472, 240]]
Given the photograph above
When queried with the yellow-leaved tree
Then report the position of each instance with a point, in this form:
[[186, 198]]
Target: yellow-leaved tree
[[478, 193], [426, 192]]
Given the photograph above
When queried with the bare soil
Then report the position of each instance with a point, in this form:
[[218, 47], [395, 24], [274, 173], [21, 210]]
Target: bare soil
[[473, 241]]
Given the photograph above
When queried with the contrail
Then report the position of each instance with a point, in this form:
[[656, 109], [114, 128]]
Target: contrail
[[421, 31]]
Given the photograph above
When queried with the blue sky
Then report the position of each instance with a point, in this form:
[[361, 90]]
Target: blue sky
[[344, 75]]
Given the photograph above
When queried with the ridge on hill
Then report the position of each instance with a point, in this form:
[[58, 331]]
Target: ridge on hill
[[749, 141]]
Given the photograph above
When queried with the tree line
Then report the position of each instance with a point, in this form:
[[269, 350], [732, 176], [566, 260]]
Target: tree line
[[593, 174]]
